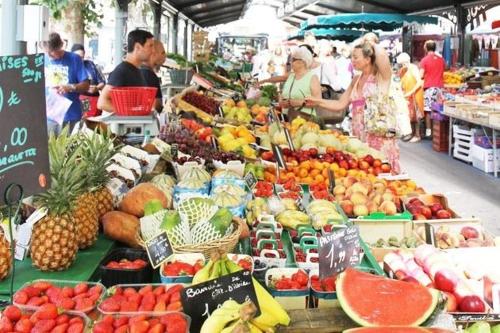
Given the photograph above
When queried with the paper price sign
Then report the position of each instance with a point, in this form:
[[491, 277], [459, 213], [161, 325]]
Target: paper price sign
[[200, 300], [339, 250], [159, 249], [23, 136]]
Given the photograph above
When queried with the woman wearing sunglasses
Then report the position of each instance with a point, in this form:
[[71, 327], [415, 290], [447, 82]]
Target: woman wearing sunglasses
[[301, 83]]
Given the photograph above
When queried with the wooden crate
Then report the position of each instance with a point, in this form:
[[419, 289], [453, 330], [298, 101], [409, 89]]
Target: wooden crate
[[329, 320], [440, 131]]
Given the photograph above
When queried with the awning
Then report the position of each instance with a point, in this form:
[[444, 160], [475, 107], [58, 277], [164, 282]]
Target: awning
[[369, 21], [495, 24], [208, 13], [337, 34]]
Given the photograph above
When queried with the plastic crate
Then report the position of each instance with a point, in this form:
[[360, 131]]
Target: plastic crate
[[180, 76], [89, 106], [111, 277], [133, 101], [464, 139], [154, 315]]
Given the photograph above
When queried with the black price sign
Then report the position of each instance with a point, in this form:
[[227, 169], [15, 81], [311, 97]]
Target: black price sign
[[251, 180], [202, 299], [289, 139], [174, 150], [23, 137], [430, 235], [339, 250], [278, 155], [159, 249]]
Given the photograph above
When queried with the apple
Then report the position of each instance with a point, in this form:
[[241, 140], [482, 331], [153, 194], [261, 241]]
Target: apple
[[436, 207], [287, 151], [313, 152], [377, 163], [369, 158], [343, 164], [419, 217], [426, 211], [469, 232], [377, 170], [353, 164], [446, 280], [472, 303], [415, 202], [369, 170], [347, 207], [386, 168], [364, 165], [443, 214], [361, 210], [451, 302]]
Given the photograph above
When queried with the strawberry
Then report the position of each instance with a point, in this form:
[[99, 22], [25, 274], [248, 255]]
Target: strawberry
[[120, 321], [32, 291], [139, 327], [129, 307], [175, 297], [109, 305], [160, 307], [136, 319], [35, 301], [81, 288], [12, 312], [66, 303], [53, 294], [159, 290], [122, 329], [60, 328], [43, 326], [84, 304], [107, 319], [23, 326], [153, 321], [301, 278], [175, 322], [146, 289], [175, 306], [94, 297], [45, 299], [165, 298], [97, 289], [174, 288], [76, 320], [118, 291], [158, 328], [62, 319], [6, 325], [127, 292], [42, 285], [76, 328], [68, 292], [21, 297], [136, 298], [148, 302], [47, 311], [102, 327]]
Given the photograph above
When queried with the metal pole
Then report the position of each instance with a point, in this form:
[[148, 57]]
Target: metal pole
[[121, 15], [461, 23], [157, 19], [186, 23], [175, 32], [9, 45]]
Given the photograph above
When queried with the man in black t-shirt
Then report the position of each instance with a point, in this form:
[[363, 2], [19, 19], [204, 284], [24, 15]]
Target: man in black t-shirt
[[148, 69], [127, 74]]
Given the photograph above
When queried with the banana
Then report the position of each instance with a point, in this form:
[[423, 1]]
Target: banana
[[265, 322], [229, 312], [230, 328], [253, 328], [223, 267], [203, 274], [272, 313]]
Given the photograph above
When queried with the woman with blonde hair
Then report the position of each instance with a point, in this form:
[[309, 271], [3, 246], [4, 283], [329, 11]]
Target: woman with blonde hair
[[412, 84], [372, 61]]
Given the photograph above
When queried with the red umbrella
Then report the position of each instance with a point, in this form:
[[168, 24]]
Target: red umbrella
[[495, 24]]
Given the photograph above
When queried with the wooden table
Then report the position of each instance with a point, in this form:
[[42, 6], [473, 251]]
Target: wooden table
[[330, 320]]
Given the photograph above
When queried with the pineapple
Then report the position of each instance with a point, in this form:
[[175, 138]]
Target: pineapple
[[5, 257], [54, 240]]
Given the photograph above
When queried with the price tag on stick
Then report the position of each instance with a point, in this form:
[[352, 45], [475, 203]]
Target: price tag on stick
[[220, 111], [174, 150], [278, 155], [430, 237], [331, 181], [289, 139], [159, 249], [339, 250], [251, 180], [202, 299]]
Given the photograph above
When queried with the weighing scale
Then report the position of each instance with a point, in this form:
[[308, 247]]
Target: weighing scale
[[133, 125]]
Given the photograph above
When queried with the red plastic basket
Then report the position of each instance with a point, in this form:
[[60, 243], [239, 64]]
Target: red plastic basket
[[89, 106], [133, 101]]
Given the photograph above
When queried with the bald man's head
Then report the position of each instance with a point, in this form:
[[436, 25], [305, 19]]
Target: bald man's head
[[159, 54]]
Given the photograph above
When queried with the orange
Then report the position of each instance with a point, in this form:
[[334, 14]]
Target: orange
[[314, 172], [307, 180], [290, 175], [318, 165], [352, 172], [334, 166], [324, 173], [319, 178], [342, 172], [306, 165], [293, 163], [326, 165], [303, 172]]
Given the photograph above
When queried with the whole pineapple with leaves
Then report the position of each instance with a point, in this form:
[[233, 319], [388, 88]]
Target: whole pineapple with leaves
[[54, 240], [5, 256], [95, 152]]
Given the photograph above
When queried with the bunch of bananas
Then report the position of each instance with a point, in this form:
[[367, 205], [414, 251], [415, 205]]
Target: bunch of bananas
[[232, 317], [271, 312]]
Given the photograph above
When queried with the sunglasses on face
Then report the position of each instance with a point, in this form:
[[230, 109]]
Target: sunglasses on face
[[296, 59]]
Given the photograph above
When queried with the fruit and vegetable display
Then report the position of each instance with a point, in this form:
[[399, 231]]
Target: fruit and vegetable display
[[219, 220]]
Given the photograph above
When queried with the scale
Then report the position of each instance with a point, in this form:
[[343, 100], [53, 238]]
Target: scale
[[133, 125]]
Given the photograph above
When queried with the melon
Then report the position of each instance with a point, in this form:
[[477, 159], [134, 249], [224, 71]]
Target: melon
[[389, 329], [372, 300]]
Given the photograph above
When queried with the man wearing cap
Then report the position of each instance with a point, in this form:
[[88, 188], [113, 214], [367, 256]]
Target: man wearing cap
[[64, 72]]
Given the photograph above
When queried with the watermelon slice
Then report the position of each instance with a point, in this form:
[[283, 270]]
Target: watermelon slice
[[372, 300], [389, 329]]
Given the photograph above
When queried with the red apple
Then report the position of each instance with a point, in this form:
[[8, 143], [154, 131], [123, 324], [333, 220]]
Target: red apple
[[386, 168], [443, 214], [419, 217], [377, 170], [377, 163], [436, 207], [451, 302], [416, 202], [363, 165], [313, 152], [469, 232], [353, 164], [446, 280], [426, 211], [344, 164], [287, 151], [472, 304], [369, 159]]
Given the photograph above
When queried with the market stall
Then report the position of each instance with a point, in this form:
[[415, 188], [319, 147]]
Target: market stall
[[232, 218]]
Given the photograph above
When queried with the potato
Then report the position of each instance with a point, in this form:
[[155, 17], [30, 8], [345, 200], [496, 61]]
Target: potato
[[133, 202], [122, 227]]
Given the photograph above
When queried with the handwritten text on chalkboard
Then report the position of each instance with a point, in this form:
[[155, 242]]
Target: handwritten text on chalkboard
[[339, 250]]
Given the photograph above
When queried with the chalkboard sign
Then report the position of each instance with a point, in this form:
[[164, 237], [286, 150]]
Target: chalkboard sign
[[289, 139], [251, 180], [278, 154], [202, 299], [23, 125], [159, 249], [338, 250], [430, 235]]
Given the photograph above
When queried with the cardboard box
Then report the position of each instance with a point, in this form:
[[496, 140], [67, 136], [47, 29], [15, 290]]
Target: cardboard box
[[482, 158]]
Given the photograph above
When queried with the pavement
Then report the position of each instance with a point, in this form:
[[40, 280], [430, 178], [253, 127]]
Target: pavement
[[470, 191]]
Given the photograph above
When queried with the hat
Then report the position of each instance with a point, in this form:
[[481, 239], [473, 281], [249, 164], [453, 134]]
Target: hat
[[77, 47], [403, 58], [303, 54]]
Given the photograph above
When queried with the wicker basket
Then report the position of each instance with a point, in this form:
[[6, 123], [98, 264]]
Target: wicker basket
[[225, 244]]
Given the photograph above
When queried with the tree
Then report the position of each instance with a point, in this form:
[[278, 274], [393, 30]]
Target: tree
[[78, 17]]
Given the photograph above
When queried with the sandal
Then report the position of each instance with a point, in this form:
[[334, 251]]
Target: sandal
[[415, 139]]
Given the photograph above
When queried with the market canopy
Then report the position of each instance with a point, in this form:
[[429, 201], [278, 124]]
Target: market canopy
[[495, 24], [369, 21], [338, 34], [208, 13]]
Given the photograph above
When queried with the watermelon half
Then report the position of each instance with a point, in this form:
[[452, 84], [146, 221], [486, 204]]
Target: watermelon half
[[392, 329], [373, 301]]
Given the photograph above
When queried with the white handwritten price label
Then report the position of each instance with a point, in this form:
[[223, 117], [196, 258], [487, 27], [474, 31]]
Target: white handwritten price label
[[339, 250], [23, 138]]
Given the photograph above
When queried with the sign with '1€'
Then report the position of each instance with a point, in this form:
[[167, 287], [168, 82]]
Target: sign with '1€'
[[23, 125]]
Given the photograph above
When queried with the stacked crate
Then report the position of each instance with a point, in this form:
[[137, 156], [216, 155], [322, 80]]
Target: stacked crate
[[440, 132]]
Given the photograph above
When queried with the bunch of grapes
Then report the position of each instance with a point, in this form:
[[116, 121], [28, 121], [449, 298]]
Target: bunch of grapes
[[202, 102]]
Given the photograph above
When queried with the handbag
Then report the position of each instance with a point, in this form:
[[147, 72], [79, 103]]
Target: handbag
[[403, 122], [327, 91], [380, 114]]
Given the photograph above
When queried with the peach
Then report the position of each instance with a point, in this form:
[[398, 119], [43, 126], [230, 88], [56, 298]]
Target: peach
[[388, 207], [358, 187], [358, 198], [347, 207], [360, 210], [339, 189], [372, 207]]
